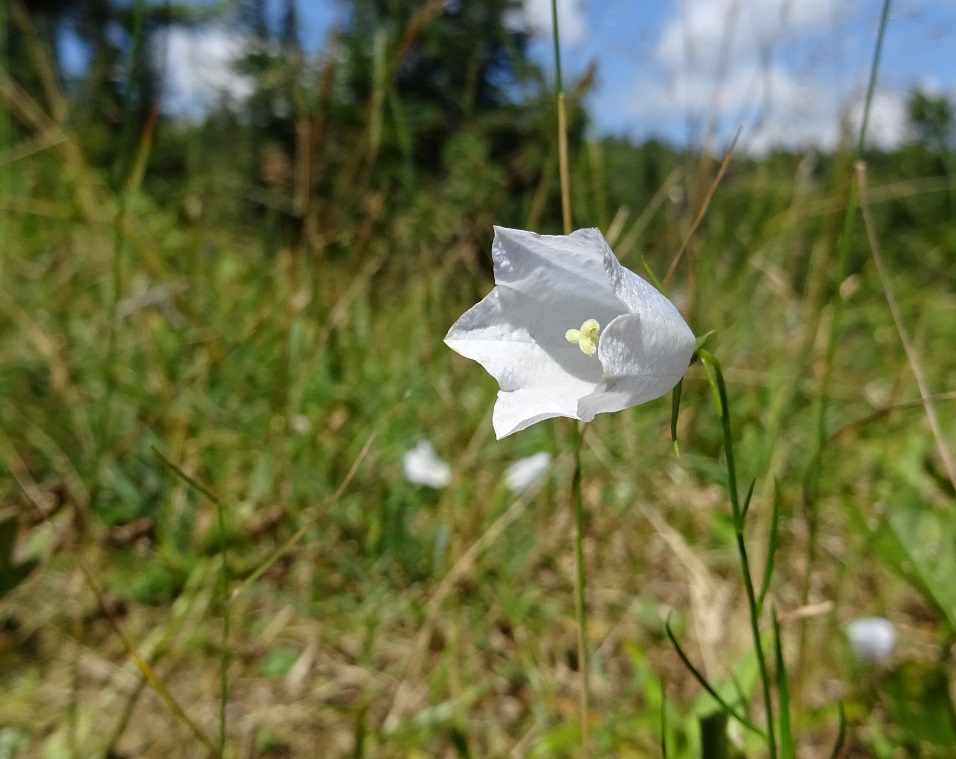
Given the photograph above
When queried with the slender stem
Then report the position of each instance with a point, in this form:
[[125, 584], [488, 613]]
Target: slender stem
[[579, 585], [717, 379], [579, 580], [557, 46], [871, 87], [758, 645], [562, 126], [563, 165]]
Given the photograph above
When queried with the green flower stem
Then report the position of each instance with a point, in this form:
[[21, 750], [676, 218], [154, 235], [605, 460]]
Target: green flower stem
[[716, 378], [579, 428], [579, 585]]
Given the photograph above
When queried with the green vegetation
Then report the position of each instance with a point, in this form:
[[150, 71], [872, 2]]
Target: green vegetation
[[218, 338]]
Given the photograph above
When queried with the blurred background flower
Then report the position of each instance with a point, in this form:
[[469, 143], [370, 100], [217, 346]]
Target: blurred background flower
[[871, 638], [523, 473], [422, 466]]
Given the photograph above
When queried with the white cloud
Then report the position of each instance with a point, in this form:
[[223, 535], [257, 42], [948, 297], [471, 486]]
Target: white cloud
[[888, 123], [801, 117], [572, 23], [706, 27], [201, 70], [760, 64], [745, 89], [774, 107]]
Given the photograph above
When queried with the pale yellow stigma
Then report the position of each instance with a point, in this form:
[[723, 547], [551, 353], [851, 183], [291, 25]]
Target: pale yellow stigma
[[587, 337]]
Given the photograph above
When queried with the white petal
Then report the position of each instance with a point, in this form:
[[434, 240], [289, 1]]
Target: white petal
[[519, 409], [872, 638], [643, 357], [558, 271], [540, 373], [637, 294], [524, 472], [422, 466]]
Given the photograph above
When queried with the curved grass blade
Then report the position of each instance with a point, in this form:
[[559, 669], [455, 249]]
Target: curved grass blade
[[707, 686], [841, 735]]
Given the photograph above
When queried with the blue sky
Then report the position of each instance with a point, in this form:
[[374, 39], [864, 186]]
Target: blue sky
[[786, 71]]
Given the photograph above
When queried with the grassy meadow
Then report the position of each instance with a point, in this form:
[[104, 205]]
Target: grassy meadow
[[212, 361]]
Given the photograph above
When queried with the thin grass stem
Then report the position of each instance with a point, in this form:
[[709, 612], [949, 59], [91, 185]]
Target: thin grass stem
[[783, 692], [562, 125], [871, 85], [579, 578], [703, 207], [719, 388], [579, 586], [841, 734], [563, 165]]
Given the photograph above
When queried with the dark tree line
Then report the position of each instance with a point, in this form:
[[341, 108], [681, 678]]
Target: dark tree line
[[407, 103]]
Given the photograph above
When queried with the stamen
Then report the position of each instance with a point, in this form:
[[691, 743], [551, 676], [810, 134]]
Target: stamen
[[587, 337]]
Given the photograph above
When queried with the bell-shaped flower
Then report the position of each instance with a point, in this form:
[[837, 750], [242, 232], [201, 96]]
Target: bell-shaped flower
[[568, 331], [422, 466]]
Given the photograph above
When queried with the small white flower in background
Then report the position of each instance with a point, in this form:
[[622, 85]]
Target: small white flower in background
[[525, 472], [422, 466], [568, 331], [872, 638]]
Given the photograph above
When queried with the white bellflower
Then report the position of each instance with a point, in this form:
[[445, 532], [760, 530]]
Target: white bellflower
[[568, 331], [422, 466]]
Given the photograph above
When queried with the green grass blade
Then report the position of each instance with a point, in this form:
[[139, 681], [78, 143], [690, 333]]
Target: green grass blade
[[675, 411], [871, 86], [746, 504], [841, 734], [771, 551], [663, 726], [714, 743], [650, 273], [783, 696], [707, 686]]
